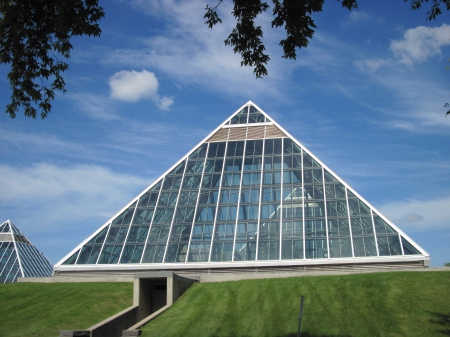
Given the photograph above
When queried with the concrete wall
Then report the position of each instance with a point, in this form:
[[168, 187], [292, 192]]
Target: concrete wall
[[153, 292], [114, 325], [110, 327], [179, 286], [145, 297], [74, 279]]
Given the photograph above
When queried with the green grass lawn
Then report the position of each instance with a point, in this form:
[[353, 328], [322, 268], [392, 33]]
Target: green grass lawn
[[375, 304], [42, 309]]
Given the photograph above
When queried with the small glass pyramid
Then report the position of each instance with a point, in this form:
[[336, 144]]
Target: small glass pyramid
[[248, 195], [19, 257]]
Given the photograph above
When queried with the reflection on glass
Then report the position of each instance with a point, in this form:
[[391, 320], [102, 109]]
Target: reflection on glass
[[132, 253], [222, 249], [154, 253], [364, 246], [292, 240], [199, 252]]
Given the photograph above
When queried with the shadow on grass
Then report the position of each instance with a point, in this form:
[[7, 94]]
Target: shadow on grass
[[443, 320], [307, 334]]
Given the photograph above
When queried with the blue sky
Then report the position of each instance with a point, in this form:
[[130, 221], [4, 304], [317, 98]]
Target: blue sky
[[365, 97]]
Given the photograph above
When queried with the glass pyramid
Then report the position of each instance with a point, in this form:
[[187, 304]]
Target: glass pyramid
[[248, 195], [18, 256]]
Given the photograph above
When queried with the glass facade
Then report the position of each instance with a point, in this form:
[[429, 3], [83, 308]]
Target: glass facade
[[248, 193], [18, 257]]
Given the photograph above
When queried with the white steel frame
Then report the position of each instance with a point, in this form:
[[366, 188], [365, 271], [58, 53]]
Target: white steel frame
[[378, 259]]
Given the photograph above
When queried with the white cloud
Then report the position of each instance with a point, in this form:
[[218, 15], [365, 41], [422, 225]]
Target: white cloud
[[419, 215], [420, 103], [356, 17], [192, 54], [420, 43], [165, 102], [370, 65], [131, 86], [53, 195], [42, 144], [94, 106]]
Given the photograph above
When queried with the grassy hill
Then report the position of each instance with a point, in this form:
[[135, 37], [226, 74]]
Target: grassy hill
[[380, 304], [42, 309]]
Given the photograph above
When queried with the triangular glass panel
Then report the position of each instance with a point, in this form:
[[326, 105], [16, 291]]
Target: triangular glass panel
[[72, 259], [408, 248], [255, 116], [241, 117], [4, 228], [248, 195]]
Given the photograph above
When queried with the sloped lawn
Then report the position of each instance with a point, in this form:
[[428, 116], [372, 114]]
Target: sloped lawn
[[374, 304], [43, 309]]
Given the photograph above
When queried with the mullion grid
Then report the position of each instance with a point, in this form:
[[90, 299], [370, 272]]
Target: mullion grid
[[196, 204], [6, 243], [239, 193], [1, 272], [103, 244], [23, 253], [128, 232], [38, 258], [175, 209], [12, 267], [326, 211], [400, 241], [17, 252], [349, 221], [281, 200], [218, 201], [260, 194], [376, 238], [375, 232], [303, 203], [29, 259], [9, 258], [151, 221], [15, 276], [33, 258]]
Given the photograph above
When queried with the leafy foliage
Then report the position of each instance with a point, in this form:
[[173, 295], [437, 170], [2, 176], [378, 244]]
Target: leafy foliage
[[435, 7], [432, 14], [447, 264], [33, 34], [245, 39], [296, 18]]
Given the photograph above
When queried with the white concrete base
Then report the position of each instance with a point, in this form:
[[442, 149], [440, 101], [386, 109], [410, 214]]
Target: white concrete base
[[74, 279]]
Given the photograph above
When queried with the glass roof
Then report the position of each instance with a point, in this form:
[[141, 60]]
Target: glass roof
[[18, 257], [233, 200]]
